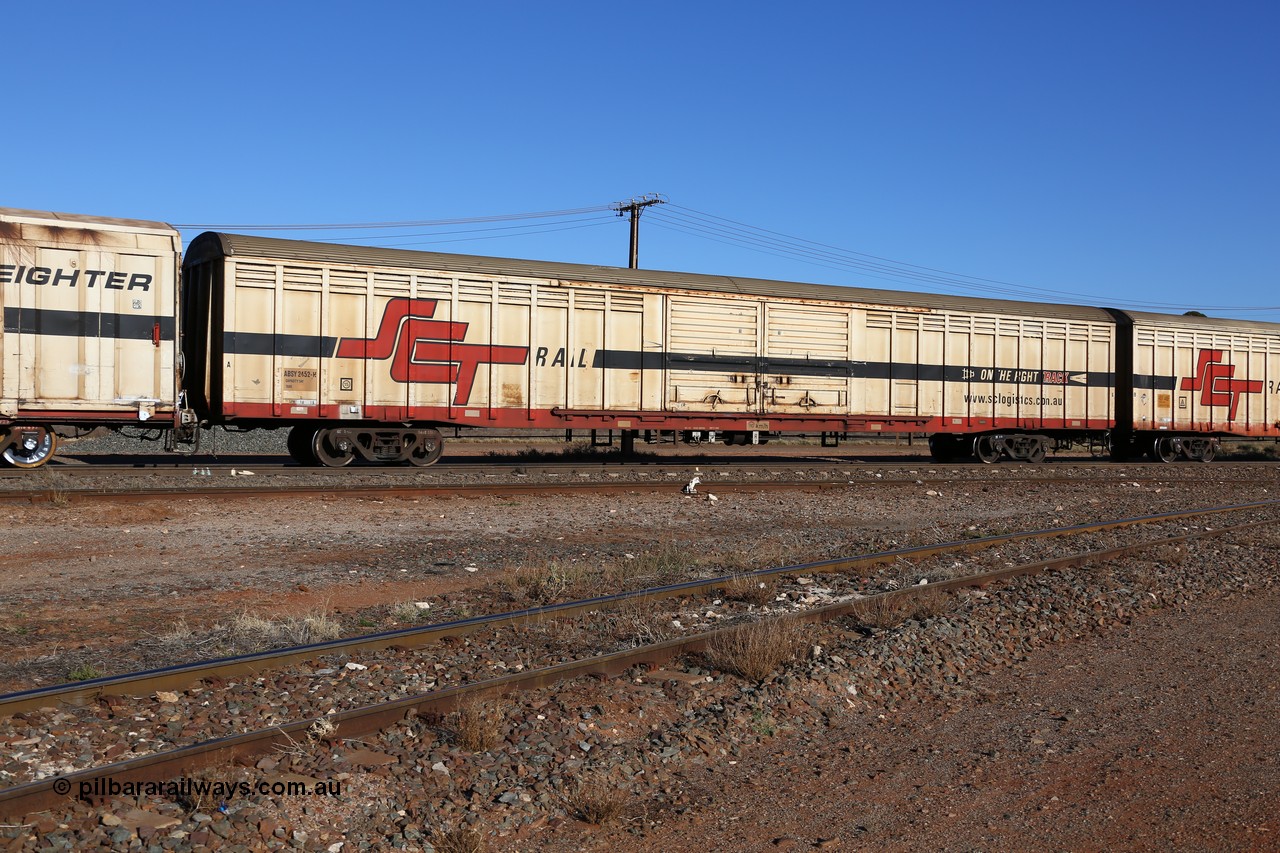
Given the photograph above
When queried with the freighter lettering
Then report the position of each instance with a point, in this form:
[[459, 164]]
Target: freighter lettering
[[15, 274]]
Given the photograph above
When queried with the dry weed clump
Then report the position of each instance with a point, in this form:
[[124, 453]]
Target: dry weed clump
[[458, 839], [178, 637], [889, 611], [480, 725], [210, 786], [409, 612], [594, 800], [554, 582], [929, 604], [665, 564], [765, 555], [756, 650], [749, 590], [248, 630], [559, 581], [906, 573], [641, 622]]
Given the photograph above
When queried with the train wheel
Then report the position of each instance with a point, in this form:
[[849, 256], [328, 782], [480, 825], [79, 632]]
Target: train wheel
[[33, 447], [1038, 452], [986, 449], [333, 448], [299, 444], [1210, 451], [1164, 450], [430, 446]]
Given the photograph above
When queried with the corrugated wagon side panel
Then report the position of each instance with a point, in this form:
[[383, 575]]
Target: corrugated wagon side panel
[[713, 347], [625, 332], [586, 385], [250, 314], [549, 328], [876, 349], [807, 358]]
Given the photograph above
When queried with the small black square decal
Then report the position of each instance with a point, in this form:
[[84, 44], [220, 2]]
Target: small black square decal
[[346, 384]]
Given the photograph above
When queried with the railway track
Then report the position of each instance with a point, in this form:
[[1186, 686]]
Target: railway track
[[362, 717], [231, 481]]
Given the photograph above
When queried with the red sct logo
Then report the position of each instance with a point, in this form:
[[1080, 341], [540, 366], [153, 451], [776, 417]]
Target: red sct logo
[[423, 350], [1214, 381]]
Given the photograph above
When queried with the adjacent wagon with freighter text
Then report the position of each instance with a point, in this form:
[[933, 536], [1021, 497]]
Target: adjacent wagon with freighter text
[[89, 335]]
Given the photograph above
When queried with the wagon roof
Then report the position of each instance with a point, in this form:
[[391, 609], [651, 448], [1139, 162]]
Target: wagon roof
[[47, 217], [1182, 321], [216, 244]]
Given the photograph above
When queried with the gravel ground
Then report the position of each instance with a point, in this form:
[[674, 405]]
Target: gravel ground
[[1140, 695], [108, 586]]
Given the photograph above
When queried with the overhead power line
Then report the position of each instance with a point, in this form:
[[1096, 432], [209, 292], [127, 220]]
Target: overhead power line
[[706, 226], [566, 224], [423, 223], [728, 231]]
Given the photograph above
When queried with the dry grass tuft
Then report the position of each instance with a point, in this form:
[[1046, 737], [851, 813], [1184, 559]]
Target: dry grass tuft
[[458, 839], [749, 590], [929, 604], [554, 581], [762, 555], [248, 630], [559, 581], [641, 622], [883, 612], [666, 564], [178, 637], [595, 800], [207, 787], [408, 612], [480, 725], [756, 650]]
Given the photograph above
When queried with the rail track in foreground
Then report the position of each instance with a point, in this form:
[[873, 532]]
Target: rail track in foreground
[[353, 722], [229, 482]]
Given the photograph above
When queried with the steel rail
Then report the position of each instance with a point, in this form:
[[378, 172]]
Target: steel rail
[[181, 676], [670, 480], [31, 797], [337, 492]]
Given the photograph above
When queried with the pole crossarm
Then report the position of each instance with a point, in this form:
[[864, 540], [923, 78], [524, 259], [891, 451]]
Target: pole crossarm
[[633, 209]]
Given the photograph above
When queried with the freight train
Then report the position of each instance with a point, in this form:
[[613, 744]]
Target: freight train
[[366, 353]]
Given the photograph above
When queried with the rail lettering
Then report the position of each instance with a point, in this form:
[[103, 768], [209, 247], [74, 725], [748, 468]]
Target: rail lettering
[[427, 351], [1215, 381], [559, 359]]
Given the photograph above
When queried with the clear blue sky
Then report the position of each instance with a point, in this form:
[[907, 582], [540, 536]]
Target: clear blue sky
[[1115, 152]]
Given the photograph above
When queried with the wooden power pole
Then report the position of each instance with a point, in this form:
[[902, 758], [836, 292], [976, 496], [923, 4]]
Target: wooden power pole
[[633, 208]]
